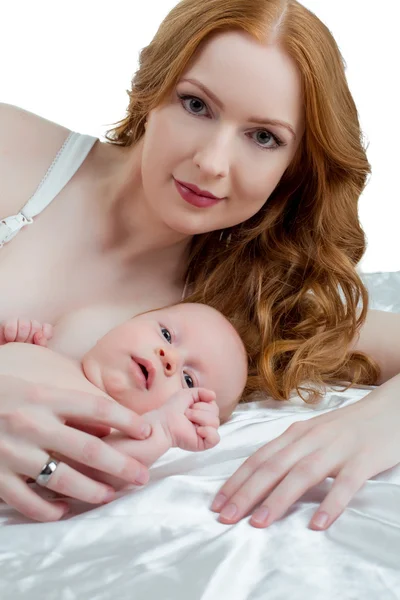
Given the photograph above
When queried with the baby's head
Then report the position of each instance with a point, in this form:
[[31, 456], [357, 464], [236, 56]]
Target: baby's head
[[142, 362]]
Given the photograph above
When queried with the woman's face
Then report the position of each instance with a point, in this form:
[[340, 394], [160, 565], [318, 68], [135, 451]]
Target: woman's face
[[219, 131]]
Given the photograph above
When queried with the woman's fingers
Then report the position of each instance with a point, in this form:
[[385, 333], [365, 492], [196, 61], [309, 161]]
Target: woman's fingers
[[283, 478], [68, 482], [46, 431], [306, 473], [28, 461], [19, 495], [252, 464], [345, 486], [92, 428], [93, 452], [76, 405], [310, 471]]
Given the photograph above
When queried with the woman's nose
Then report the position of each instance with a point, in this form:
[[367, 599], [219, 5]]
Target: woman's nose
[[169, 360], [213, 158]]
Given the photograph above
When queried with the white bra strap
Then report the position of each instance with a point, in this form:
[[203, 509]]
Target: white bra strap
[[75, 149]]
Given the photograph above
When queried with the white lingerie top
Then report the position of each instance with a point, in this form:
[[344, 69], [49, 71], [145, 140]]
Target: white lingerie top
[[67, 161]]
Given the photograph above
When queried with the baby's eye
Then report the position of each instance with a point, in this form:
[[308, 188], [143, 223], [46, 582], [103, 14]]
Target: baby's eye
[[166, 334], [189, 380]]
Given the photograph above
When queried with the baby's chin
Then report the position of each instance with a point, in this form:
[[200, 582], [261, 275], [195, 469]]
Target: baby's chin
[[113, 384], [92, 371]]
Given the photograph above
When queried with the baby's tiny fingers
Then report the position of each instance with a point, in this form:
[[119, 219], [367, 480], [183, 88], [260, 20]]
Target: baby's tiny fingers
[[205, 395], [47, 330], [35, 328], [10, 330], [205, 406], [210, 436], [202, 417], [39, 339], [23, 331]]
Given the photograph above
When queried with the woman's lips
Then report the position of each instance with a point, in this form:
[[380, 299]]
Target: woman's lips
[[195, 199]]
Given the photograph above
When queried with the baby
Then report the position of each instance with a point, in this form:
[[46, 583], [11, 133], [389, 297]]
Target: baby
[[181, 367]]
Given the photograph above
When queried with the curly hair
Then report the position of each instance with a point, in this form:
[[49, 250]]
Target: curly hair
[[286, 277]]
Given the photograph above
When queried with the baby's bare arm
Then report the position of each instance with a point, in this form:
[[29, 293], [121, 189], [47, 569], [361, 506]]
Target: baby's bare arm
[[145, 451]]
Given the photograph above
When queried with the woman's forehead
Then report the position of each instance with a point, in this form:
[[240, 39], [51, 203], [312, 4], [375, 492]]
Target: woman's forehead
[[249, 76]]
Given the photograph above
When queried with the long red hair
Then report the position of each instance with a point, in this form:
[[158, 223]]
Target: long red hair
[[286, 277]]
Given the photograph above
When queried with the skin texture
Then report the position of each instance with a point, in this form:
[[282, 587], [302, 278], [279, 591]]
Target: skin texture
[[134, 252], [187, 345], [222, 150], [130, 197]]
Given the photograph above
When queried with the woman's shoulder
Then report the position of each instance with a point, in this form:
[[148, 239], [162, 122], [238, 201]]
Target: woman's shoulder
[[28, 145]]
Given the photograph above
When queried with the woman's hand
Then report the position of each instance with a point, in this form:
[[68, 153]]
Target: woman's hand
[[352, 444], [32, 428]]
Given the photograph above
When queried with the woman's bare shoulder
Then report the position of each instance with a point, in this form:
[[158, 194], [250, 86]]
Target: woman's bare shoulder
[[28, 145], [380, 338]]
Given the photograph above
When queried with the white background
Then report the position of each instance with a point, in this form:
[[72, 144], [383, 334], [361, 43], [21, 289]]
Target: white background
[[71, 62]]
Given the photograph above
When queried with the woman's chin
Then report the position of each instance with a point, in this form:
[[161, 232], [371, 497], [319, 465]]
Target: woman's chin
[[188, 225]]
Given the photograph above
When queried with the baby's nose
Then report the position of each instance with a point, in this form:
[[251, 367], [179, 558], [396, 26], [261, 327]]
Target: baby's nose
[[168, 360]]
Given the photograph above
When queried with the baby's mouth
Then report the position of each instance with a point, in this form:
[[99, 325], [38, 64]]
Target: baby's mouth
[[144, 371], [146, 368]]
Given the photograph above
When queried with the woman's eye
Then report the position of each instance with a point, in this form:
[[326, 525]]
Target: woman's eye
[[192, 104], [189, 380], [263, 137], [166, 334]]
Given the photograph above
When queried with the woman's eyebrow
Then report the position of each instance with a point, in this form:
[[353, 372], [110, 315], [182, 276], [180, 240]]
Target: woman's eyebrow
[[220, 104]]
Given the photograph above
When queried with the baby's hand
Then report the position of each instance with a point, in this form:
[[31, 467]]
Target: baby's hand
[[25, 331], [191, 418]]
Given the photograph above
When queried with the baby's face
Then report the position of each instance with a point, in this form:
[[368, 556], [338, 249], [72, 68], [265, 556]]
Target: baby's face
[[142, 362]]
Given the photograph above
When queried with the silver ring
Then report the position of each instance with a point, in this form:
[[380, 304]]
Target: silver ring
[[47, 471]]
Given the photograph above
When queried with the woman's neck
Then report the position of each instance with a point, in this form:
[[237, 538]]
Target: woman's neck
[[123, 223], [127, 224]]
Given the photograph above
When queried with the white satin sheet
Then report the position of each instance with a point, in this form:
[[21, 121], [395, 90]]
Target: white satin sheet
[[163, 542]]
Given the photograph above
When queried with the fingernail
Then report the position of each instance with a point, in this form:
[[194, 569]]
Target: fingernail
[[260, 516], [218, 503], [320, 520], [64, 507], [146, 431], [229, 511], [142, 477], [109, 495]]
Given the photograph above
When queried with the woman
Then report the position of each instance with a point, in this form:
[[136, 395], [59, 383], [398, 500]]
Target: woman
[[236, 173]]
